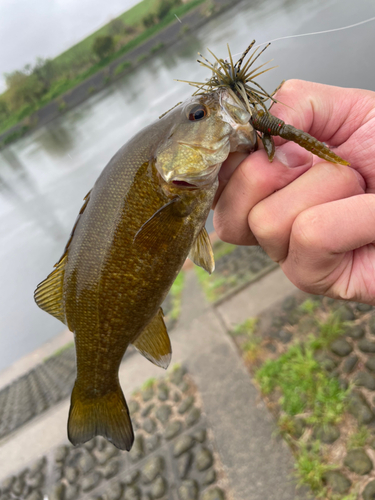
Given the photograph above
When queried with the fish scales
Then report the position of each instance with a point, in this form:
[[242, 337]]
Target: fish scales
[[144, 215]]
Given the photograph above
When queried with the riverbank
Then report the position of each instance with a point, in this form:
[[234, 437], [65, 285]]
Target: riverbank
[[116, 69]]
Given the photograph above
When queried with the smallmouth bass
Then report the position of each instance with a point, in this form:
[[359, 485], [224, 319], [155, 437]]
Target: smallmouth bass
[[143, 217]]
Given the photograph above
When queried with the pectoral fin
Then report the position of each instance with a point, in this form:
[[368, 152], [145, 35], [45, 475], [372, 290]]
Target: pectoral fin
[[154, 342], [201, 252], [156, 231]]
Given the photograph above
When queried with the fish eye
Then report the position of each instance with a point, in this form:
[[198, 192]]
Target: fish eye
[[198, 112]]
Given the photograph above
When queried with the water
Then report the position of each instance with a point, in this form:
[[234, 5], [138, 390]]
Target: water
[[44, 177]]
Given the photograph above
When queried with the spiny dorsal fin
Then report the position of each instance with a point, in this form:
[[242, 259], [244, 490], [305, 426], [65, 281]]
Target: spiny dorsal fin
[[154, 342], [49, 293], [201, 252]]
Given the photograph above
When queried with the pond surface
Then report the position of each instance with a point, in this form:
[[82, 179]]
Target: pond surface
[[44, 177]]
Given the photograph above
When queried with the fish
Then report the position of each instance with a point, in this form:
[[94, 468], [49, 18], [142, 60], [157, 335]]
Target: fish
[[144, 216]]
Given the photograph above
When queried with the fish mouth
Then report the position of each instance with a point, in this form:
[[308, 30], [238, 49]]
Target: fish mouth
[[202, 181]]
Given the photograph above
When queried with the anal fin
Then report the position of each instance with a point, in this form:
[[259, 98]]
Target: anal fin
[[201, 252], [153, 343]]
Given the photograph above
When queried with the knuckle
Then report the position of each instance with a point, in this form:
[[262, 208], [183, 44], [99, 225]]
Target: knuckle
[[306, 230], [263, 224]]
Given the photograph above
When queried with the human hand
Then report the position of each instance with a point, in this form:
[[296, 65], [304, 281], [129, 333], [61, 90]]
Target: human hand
[[316, 219]]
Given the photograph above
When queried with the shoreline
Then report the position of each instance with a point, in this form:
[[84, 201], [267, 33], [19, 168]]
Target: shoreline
[[112, 72]]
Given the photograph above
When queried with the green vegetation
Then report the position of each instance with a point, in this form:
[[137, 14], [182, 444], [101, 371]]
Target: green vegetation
[[157, 47], [359, 438], [245, 328], [176, 294], [310, 467], [309, 306], [148, 384], [62, 349], [122, 67], [329, 330], [213, 284], [33, 87], [305, 386]]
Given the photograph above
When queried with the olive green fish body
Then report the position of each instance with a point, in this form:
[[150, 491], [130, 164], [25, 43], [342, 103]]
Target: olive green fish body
[[144, 215]]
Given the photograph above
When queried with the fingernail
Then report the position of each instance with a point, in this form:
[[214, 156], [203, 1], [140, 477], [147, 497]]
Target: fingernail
[[292, 155]]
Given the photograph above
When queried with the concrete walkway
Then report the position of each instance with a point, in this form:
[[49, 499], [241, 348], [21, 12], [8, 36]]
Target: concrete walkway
[[258, 464]]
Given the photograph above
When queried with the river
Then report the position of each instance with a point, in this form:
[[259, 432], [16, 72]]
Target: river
[[44, 177]]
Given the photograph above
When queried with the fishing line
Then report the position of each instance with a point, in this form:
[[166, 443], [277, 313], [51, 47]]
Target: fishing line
[[313, 33]]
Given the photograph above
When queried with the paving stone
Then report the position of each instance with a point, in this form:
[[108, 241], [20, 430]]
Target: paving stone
[[186, 404], [360, 409], [111, 469], [58, 492], [341, 347], [114, 492], [71, 474], [152, 443], [132, 477], [345, 313], [163, 413], [159, 487], [183, 444], [370, 364], [133, 406], [337, 481], [152, 468], [163, 392], [193, 416], [110, 452], [149, 425], [363, 307], [18, 486], [34, 495], [184, 386], [203, 459], [137, 452], [147, 410], [369, 491], [172, 429], [184, 464], [358, 461], [188, 490], [91, 481], [356, 332], [327, 433], [366, 345], [176, 377], [86, 463], [61, 453], [148, 393], [176, 397], [365, 379], [210, 477], [284, 336], [371, 324], [289, 303], [200, 435], [132, 493], [36, 481], [214, 494], [6, 485], [349, 364], [90, 445], [37, 467], [326, 361], [71, 492]]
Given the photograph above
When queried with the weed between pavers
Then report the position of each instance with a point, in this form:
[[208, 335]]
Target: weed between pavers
[[304, 392]]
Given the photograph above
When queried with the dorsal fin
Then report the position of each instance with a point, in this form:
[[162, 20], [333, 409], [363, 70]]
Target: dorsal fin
[[201, 252], [49, 293], [153, 343]]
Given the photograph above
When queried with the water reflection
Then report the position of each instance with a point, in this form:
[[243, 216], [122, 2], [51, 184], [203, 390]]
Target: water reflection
[[44, 177]]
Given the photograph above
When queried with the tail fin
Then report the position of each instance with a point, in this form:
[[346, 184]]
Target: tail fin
[[107, 416]]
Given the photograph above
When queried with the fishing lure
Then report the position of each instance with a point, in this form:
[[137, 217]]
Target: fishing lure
[[239, 78]]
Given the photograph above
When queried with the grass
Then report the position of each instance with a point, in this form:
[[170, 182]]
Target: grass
[[245, 328], [176, 294], [221, 249], [59, 351], [122, 67], [305, 386], [309, 306], [329, 330], [148, 384], [213, 284], [83, 48], [311, 467], [359, 438]]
